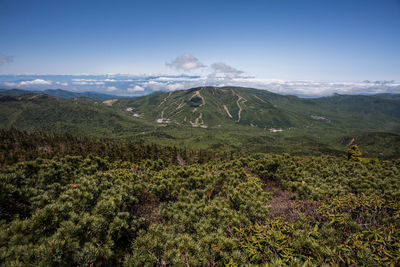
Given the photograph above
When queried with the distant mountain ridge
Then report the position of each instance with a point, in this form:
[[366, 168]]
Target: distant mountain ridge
[[222, 118], [58, 93], [388, 96], [92, 94]]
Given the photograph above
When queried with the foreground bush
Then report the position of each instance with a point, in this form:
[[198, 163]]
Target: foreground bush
[[91, 211]]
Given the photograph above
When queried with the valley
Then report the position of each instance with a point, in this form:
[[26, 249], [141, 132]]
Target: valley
[[226, 118]]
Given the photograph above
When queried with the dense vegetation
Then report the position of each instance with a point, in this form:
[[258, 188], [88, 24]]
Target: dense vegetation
[[276, 209], [86, 183], [26, 145]]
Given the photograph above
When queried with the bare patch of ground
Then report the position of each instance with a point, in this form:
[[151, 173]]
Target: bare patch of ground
[[285, 204], [148, 208], [282, 205], [240, 100], [351, 142], [165, 99], [261, 99], [227, 111], [180, 106], [109, 102], [198, 121]]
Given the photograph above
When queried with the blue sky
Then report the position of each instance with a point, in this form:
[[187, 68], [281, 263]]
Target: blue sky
[[318, 41]]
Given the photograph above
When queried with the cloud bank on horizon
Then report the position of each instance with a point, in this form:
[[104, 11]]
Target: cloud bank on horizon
[[216, 74]]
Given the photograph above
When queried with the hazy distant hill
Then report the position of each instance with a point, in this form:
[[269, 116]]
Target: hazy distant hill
[[58, 93], [388, 96], [227, 118], [15, 92]]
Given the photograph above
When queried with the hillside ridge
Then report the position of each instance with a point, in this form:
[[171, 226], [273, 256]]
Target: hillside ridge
[[223, 118]]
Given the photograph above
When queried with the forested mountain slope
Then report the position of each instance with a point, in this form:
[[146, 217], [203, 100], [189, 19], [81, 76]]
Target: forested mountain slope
[[75, 116], [227, 118], [223, 106]]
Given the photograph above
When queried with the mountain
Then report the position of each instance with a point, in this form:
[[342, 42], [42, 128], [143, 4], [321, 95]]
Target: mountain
[[212, 107], [15, 92], [68, 94], [220, 118], [75, 116], [388, 96], [58, 93], [227, 106]]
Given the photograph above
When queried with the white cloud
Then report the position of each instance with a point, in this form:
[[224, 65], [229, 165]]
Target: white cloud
[[300, 88], [10, 84], [185, 62], [225, 69], [111, 88], [219, 74], [135, 88], [175, 86], [83, 82], [175, 78], [154, 85], [80, 83], [316, 89], [62, 83], [36, 82]]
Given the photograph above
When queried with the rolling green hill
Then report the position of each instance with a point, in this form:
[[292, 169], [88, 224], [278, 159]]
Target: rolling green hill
[[218, 107], [213, 107], [76, 116], [226, 118]]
